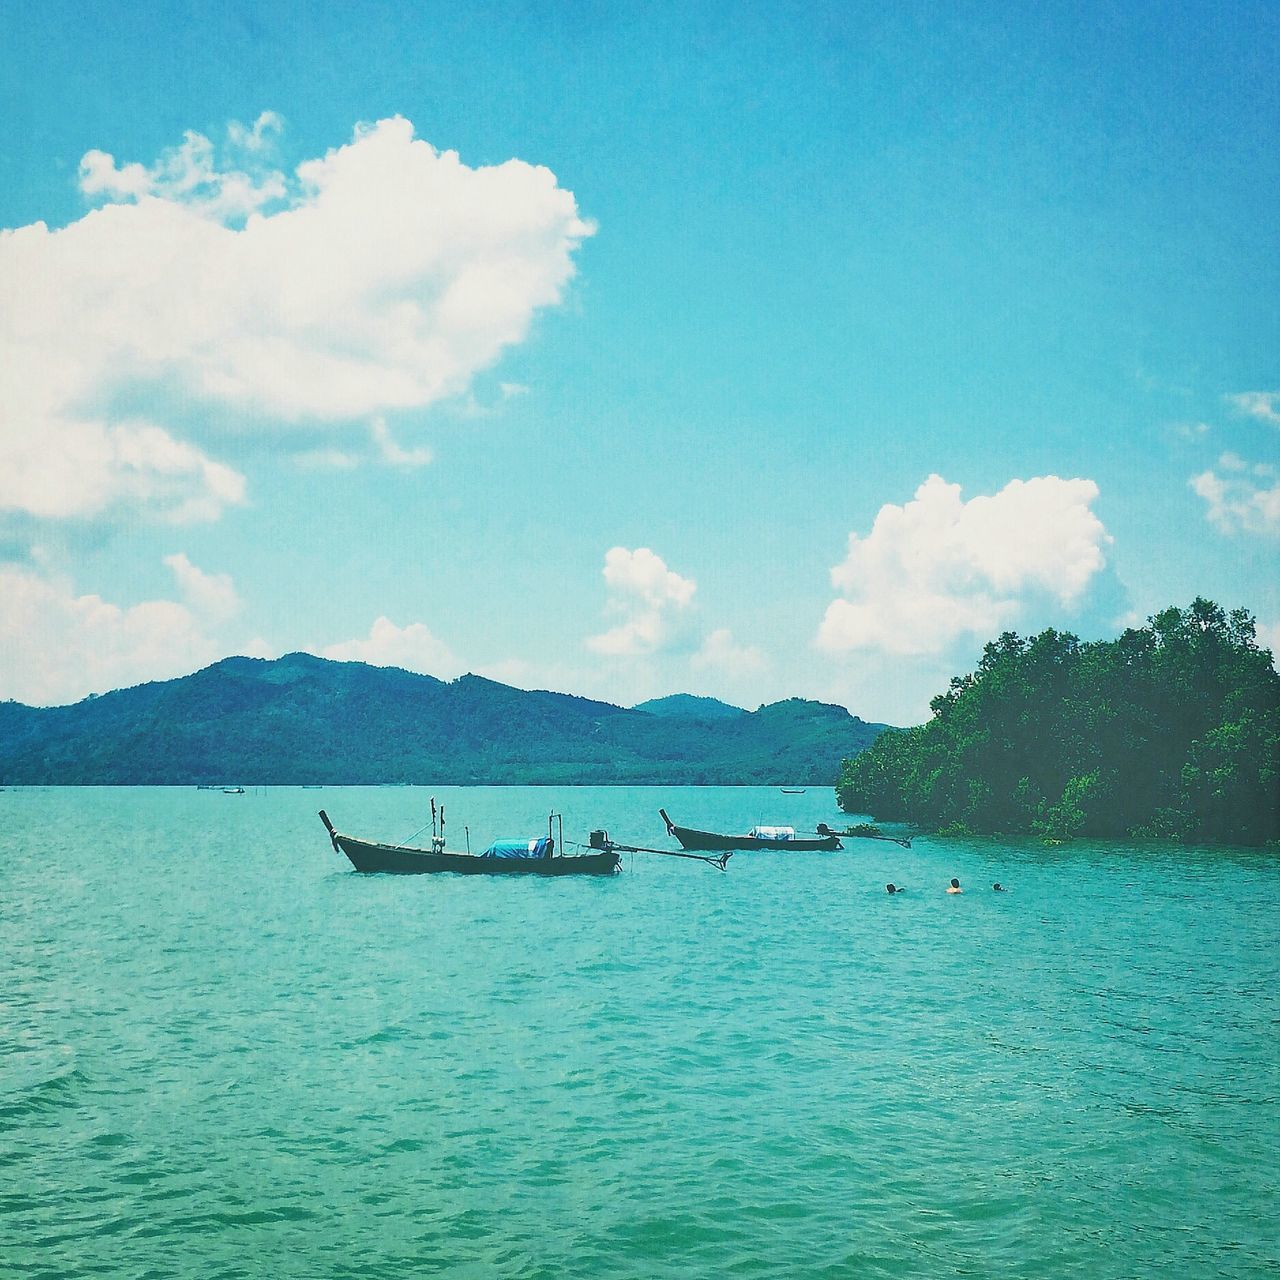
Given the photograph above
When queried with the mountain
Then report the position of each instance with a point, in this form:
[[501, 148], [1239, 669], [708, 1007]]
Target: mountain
[[688, 704], [301, 719]]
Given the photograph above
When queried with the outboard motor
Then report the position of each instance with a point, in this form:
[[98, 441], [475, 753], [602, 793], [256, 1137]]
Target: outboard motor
[[599, 839]]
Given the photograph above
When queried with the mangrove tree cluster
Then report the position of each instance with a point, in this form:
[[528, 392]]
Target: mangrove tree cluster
[[1172, 730]]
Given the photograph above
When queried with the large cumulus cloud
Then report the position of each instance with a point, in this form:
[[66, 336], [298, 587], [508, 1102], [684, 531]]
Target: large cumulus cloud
[[212, 294]]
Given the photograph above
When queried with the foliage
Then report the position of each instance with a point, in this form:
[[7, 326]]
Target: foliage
[[301, 719], [1171, 730]]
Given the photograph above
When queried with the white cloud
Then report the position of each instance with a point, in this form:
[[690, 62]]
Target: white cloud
[[261, 137], [1240, 501], [212, 595], [394, 454], [413, 647], [260, 647], [59, 647], [648, 595], [938, 567], [1263, 405], [384, 275], [189, 174], [55, 464], [722, 653]]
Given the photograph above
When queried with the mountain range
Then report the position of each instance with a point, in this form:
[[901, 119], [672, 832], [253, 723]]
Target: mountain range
[[301, 719]]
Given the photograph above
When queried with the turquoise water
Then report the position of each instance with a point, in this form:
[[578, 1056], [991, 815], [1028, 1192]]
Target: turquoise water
[[223, 1054]]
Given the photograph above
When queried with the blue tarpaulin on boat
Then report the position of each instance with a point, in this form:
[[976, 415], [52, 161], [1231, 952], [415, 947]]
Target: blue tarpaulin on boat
[[537, 848]]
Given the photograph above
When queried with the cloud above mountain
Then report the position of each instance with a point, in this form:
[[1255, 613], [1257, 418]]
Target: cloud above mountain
[[60, 646], [939, 567], [412, 647], [649, 598]]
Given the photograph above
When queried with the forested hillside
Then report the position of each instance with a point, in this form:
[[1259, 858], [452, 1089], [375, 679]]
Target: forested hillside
[[302, 719], [1171, 730]]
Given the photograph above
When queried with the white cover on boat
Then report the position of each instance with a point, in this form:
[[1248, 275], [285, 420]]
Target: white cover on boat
[[773, 833]]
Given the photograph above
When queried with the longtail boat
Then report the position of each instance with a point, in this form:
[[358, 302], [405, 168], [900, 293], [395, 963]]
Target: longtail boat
[[756, 838], [535, 857]]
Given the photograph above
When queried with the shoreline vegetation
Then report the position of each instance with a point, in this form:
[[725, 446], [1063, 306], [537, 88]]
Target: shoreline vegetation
[[1171, 731]]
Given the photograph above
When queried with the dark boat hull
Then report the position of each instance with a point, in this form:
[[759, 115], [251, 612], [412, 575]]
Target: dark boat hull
[[368, 857], [690, 838]]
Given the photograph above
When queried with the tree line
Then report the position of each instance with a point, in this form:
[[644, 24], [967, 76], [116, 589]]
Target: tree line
[[1171, 730]]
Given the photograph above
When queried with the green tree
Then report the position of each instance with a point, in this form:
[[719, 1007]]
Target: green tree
[[1170, 729]]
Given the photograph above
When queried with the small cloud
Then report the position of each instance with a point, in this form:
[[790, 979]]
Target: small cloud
[[1190, 430], [1235, 503], [72, 467], [99, 176], [648, 595], [212, 595], [413, 647], [260, 137], [721, 652], [392, 453], [259, 647], [189, 173], [1263, 405], [510, 390]]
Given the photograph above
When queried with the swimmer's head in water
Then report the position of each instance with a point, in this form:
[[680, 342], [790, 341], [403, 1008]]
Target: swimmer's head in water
[[891, 888], [998, 887], [955, 884]]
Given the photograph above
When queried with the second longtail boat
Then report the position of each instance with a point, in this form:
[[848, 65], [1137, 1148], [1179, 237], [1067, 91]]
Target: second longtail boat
[[756, 838]]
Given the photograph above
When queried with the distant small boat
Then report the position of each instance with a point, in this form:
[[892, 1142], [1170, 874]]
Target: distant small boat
[[535, 857], [792, 791], [233, 791], [756, 838]]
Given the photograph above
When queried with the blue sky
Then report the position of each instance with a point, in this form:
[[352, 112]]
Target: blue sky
[[990, 291]]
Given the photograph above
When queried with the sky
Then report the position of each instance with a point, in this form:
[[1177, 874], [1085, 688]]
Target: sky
[[751, 350]]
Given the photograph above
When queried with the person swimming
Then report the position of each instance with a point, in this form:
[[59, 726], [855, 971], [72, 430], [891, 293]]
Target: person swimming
[[894, 888], [999, 888], [954, 887]]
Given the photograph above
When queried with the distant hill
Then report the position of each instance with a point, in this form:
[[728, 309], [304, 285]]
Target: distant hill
[[688, 704], [302, 719]]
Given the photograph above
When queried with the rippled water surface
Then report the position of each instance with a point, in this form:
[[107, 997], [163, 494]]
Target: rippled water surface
[[222, 1053]]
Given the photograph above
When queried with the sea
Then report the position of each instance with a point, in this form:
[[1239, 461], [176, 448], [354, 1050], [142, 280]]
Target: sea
[[225, 1054]]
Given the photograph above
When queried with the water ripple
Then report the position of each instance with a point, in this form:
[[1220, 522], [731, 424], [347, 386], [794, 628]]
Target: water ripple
[[236, 1059]]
